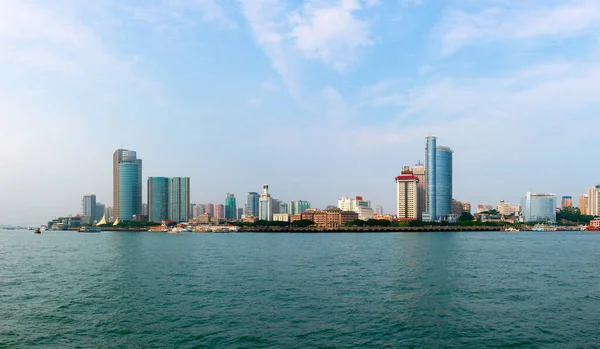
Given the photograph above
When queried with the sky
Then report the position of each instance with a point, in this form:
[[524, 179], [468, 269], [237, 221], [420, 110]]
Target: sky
[[317, 98]]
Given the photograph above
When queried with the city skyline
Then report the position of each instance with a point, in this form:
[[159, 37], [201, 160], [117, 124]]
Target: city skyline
[[299, 105]]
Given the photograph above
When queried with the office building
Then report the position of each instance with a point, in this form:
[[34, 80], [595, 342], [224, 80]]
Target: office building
[[99, 212], [127, 184], [419, 172], [265, 208], [283, 207], [297, 207], [109, 214], [539, 207], [443, 182], [239, 213], [484, 208], [179, 199], [210, 210], [230, 207], [158, 199], [281, 217], [219, 211], [88, 204], [407, 197], [350, 204], [566, 201], [583, 204], [593, 197], [506, 209], [378, 210], [252, 204], [430, 174]]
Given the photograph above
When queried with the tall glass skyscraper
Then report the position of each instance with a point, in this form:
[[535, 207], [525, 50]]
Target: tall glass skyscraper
[[129, 190], [252, 204], [430, 174], [89, 206], [265, 207], [158, 199], [127, 184], [443, 182], [179, 199], [230, 207]]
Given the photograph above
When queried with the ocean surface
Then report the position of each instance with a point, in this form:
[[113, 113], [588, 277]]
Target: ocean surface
[[391, 290]]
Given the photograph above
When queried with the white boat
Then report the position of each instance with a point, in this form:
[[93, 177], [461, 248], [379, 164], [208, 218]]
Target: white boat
[[544, 227], [511, 230], [89, 230]]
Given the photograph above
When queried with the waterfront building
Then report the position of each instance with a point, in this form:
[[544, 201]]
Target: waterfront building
[[144, 209], [407, 197], [158, 199], [348, 204], [299, 206], [210, 209], [99, 212], [252, 204], [281, 217], [219, 211], [379, 210], [109, 214], [197, 210], [265, 208], [593, 206], [430, 174], [506, 209], [566, 201], [88, 204], [239, 213], [284, 207], [419, 172], [364, 213], [335, 217], [230, 207], [443, 182], [467, 207], [583, 204], [179, 199], [127, 184], [539, 207]]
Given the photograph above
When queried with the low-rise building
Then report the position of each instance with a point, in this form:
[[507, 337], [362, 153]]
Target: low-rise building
[[281, 217]]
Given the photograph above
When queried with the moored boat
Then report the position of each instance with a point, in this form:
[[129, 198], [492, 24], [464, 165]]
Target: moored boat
[[89, 230]]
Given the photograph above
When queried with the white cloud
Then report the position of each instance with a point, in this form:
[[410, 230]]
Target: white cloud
[[331, 32], [518, 21]]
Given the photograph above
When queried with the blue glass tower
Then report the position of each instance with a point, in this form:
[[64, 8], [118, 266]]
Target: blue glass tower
[[179, 199], [230, 207], [129, 190], [430, 175], [443, 182], [252, 204], [158, 199]]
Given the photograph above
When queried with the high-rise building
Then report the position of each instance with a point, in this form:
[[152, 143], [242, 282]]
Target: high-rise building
[[566, 201], [443, 182], [407, 197], [210, 209], [230, 207], [89, 206], [109, 214], [197, 210], [239, 213], [593, 206], [539, 207], [179, 199], [252, 204], [379, 210], [419, 172], [349, 204], [430, 174], [457, 207], [99, 212], [583, 204], [219, 211], [158, 199], [506, 209], [297, 207], [127, 184], [265, 207]]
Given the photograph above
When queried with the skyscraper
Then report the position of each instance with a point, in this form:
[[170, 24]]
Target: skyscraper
[[583, 204], [127, 184], [89, 206], [566, 201], [430, 174], [419, 172], [299, 206], [265, 207], [443, 182], [252, 204], [230, 207], [219, 211], [210, 209], [179, 199], [99, 212], [239, 213], [593, 206], [539, 207], [407, 198], [158, 199]]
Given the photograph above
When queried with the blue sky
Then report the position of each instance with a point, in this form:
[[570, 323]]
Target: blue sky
[[319, 99]]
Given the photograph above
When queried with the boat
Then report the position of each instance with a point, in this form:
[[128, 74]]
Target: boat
[[592, 228], [89, 230], [511, 230], [544, 227], [37, 231]]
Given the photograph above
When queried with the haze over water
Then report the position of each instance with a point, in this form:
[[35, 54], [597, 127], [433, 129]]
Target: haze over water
[[139, 290]]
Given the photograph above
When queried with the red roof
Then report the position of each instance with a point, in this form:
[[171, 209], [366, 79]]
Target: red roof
[[406, 177]]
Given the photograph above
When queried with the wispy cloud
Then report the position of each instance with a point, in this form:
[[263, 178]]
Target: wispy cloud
[[517, 21]]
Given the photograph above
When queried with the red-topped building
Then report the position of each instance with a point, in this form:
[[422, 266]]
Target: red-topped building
[[407, 199]]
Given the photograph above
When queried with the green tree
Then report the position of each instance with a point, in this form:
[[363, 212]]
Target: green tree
[[466, 217]]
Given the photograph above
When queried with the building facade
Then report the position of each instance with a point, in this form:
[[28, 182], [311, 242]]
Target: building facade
[[252, 204], [419, 172], [88, 204], [506, 209], [443, 182], [566, 201], [583, 204], [407, 196], [219, 211], [230, 207], [158, 199], [539, 207], [265, 207], [593, 206], [179, 199], [467, 207], [210, 209], [430, 174], [127, 184]]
